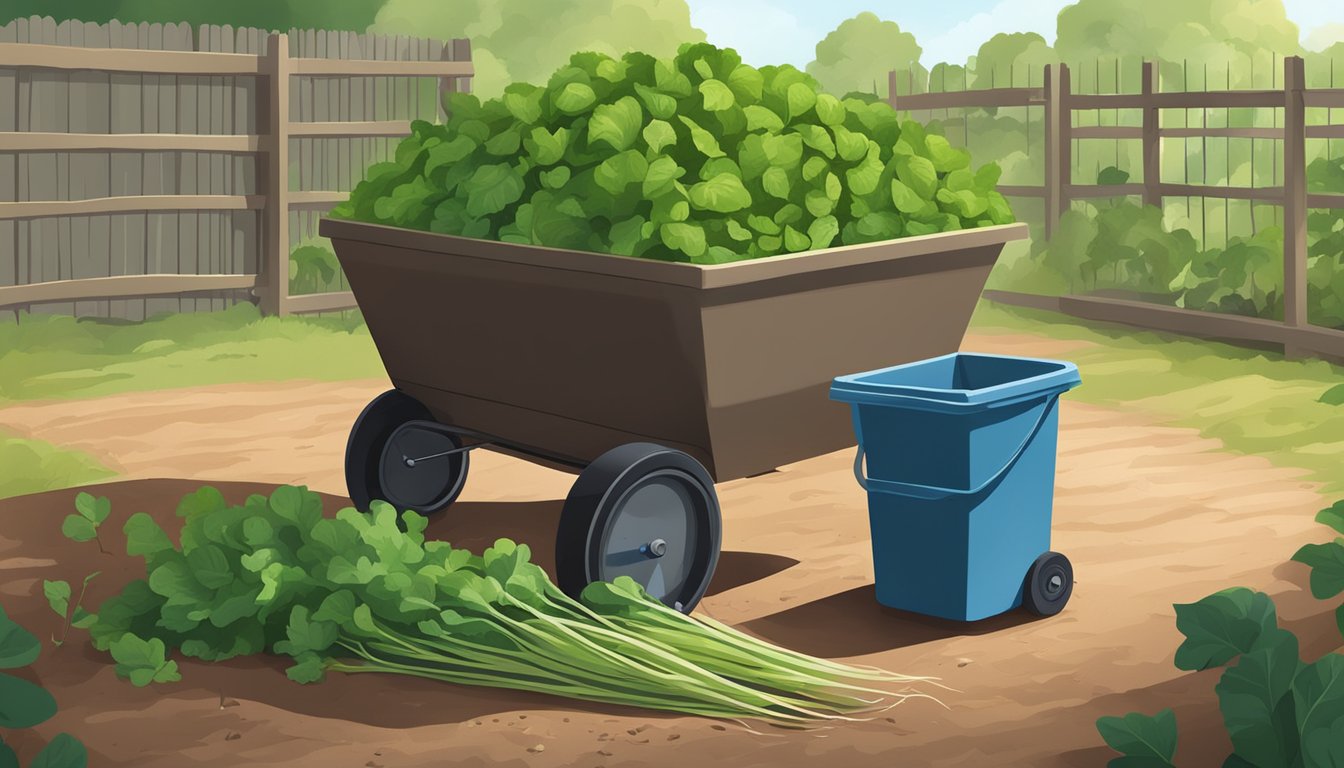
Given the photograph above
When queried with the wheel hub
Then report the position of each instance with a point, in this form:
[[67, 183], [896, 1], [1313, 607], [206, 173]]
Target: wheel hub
[[654, 549]]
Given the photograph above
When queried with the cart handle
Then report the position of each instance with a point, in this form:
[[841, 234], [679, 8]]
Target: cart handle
[[934, 491]]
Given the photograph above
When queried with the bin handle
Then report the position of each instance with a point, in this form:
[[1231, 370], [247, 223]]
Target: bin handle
[[933, 491]]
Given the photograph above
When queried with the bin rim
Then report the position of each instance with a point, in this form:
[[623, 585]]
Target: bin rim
[[856, 388]]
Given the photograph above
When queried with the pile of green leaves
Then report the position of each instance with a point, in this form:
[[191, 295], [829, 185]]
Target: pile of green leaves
[[24, 704], [362, 593], [700, 158]]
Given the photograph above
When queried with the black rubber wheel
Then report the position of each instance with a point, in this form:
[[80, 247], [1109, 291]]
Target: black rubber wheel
[[380, 443], [1049, 584], [644, 511]]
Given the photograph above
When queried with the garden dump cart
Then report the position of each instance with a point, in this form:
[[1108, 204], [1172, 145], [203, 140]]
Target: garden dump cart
[[652, 380]]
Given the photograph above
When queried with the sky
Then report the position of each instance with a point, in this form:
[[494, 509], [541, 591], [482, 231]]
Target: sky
[[787, 31]]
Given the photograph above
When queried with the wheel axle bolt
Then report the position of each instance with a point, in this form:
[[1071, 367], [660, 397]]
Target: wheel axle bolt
[[655, 548]]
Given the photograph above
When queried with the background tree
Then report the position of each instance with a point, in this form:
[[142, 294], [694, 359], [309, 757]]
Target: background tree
[[857, 55], [529, 39], [1006, 60], [353, 15]]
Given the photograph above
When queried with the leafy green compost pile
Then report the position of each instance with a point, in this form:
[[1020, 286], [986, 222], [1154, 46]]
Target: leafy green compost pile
[[701, 158], [357, 593]]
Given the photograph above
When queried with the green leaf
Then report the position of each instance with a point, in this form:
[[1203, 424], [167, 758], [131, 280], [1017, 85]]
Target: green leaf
[[776, 183], [818, 202], [658, 134], [702, 139], [795, 241], [546, 147], [1332, 516], [144, 537], [738, 232], [7, 757], [863, 179], [1333, 395], [944, 156], [905, 199], [621, 170], [722, 194], [492, 188], [574, 98], [23, 704], [822, 232], [556, 177], [1327, 567], [918, 174], [95, 510], [817, 138], [686, 238], [1110, 175], [63, 751], [79, 528], [627, 235], [1138, 735], [203, 501], [763, 224], [210, 566], [660, 105], [851, 145], [1257, 705], [303, 633], [1225, 625], [504, 144], [616, 124], [814, 167], [746, 83], [310, 669], [1318, 703], [58, 596], [829, 110], [143, 661], [18, 646], [761, 118], [784, 151], [661, 173], [800, 98], [82, 619], [717, 95]]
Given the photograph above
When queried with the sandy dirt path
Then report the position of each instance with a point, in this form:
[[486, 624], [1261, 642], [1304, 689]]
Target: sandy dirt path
[[1149, 515]]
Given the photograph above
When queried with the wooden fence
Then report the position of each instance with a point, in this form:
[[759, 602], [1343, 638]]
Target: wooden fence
[[148, 168], [1060, 104]]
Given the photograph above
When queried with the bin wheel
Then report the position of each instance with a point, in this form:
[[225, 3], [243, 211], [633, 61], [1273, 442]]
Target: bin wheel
[[1049, 584], [644, 511], [375, 457]]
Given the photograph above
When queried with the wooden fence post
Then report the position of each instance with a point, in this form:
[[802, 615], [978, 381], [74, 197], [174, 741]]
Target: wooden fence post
[[274, 280], [1294, 199], [1058, 145], [454, 50], [891, 88], [1152, 138]]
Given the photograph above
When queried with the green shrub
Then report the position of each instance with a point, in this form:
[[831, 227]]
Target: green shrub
[[700, 158]]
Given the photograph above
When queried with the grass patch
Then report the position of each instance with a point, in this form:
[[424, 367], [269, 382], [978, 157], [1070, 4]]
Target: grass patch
[[51, 357], [1255, 402], [33, 466]]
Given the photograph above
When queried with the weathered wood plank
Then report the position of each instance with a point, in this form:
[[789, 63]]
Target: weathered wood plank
[[121, 286]]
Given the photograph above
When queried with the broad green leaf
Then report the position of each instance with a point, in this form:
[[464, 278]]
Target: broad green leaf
[[18, 646], [616, 124], [58, 596], [788, 214], [879, 225], [1327, 567], [23, 704], [864, 178], [1332, 516], [1318, 704], [547, 147], [491, 188], [763, 224], [210, 566], [504, 144], [785, 151], [309, 669], [746, 83], [662, 172], [523, 101], [814, 167], [686, 238], [82, 619], [1257, 705], [800, 99], [832, 187], [79, 528], [722, 194], [761, 118], [716, 95], [776, 183], [1333, 396], [822, 232], [829, 109], [960, 180], [203, 501], [795, 241], [339, 607], [944, 156], [818, 202], [143, 661], [1111, 175], [1225, 625], [627, 235], [660, 105], [303, 633], [658, 134], [904, 198], [574, 98], [703, 139], [817, 138], [144, 537], [555, 178], [63, 751], [621, 170], [1140, 736], [702, 68], [918, 174], [852, 146], [95, 510]]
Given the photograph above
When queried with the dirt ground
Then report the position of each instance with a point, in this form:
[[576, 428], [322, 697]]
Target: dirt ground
[[1149, 515]]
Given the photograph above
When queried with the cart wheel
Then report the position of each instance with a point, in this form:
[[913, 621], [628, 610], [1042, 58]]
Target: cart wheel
[[643, 511], [1049, 584], [376, 456]]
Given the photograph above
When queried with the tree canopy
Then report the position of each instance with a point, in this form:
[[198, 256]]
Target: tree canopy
[[859, 53]]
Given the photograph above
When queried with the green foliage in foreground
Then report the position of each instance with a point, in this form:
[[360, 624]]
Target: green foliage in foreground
[[700, 158], [362, 593], [1279, 711], [1327, 561], [24, 704], [33, 466]]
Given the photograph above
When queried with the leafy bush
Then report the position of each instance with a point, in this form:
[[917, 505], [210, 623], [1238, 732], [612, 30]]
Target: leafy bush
[[1327, 561], [1279, 711], [24, 704], [367, 593], [313, 269], [700, 158]]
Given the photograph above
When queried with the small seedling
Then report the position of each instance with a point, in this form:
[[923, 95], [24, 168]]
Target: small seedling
[[58, 597], [24, 704], [90, 514]]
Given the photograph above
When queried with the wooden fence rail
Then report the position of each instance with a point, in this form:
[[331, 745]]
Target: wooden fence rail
[[1058, 191], [240, 130]]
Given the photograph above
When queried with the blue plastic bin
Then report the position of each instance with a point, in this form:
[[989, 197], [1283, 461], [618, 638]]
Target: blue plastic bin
[[961, 468]]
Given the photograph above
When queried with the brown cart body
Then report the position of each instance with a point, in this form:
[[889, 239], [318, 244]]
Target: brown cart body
[[566, 354]]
